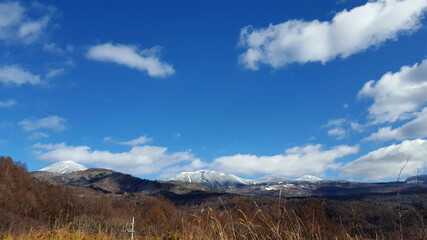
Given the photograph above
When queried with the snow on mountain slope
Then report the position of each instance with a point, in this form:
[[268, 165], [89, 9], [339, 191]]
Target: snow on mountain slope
[[227, 182], [212, 179], [309, 178], [64, 167], [269, 179], [420, 179]]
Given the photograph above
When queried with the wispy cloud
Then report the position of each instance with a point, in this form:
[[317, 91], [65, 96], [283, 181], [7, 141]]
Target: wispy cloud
[[348, 33], [38, 135], [130, 56], [336, 122], [134, 142], [55, 72], [56, 49], [30, 31], [16, 76], [52, 122], [138, 141], [18, 25], [9, 103], [337, 132], [341, 127]]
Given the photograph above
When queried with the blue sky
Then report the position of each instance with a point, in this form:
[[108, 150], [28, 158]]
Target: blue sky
[[334, 89]]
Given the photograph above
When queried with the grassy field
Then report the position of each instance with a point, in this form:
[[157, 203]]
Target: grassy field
[[32, 209]]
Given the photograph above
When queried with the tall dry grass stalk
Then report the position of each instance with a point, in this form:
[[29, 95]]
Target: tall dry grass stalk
[[257, 225]]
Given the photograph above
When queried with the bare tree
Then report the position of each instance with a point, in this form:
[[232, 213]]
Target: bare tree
[[399, 201]]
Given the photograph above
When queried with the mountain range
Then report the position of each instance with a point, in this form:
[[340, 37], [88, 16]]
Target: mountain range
[[305, 186], [228, 182], [206, 183]]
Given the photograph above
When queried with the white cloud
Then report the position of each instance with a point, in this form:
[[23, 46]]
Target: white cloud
[[170, 172], [55, 72], [340, 127], [16, 23], [59, 67], [134, 142], [297, 161], [337, 132], [55, 49], [139, 160], [15, 75], [10, 13], [38, 135], [348, 33], [385, 163], [416, 128], [130, 56], [397, 95], [30, 31], [336, 122], [356, 126], [52, 122], [8, 103], [340, 1], [138, 141], [69, 48]]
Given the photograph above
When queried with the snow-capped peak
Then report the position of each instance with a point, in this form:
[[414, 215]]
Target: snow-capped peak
[[269, 179], [309, 178], [210, 178], [64, 167]]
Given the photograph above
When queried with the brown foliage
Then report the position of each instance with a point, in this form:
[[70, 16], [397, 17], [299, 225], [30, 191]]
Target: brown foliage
[[33, 209]]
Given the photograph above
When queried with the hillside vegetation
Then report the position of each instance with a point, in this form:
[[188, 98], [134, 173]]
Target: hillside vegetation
[[34, 209]]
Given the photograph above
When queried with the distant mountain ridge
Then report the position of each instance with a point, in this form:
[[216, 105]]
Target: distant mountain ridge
[[305, 186], [206, 183], [115, 183], [212, 179], [223, 181]]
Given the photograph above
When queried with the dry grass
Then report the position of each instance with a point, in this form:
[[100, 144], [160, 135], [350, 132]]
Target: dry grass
[[30, 209], [259, 224], [210, 224]]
